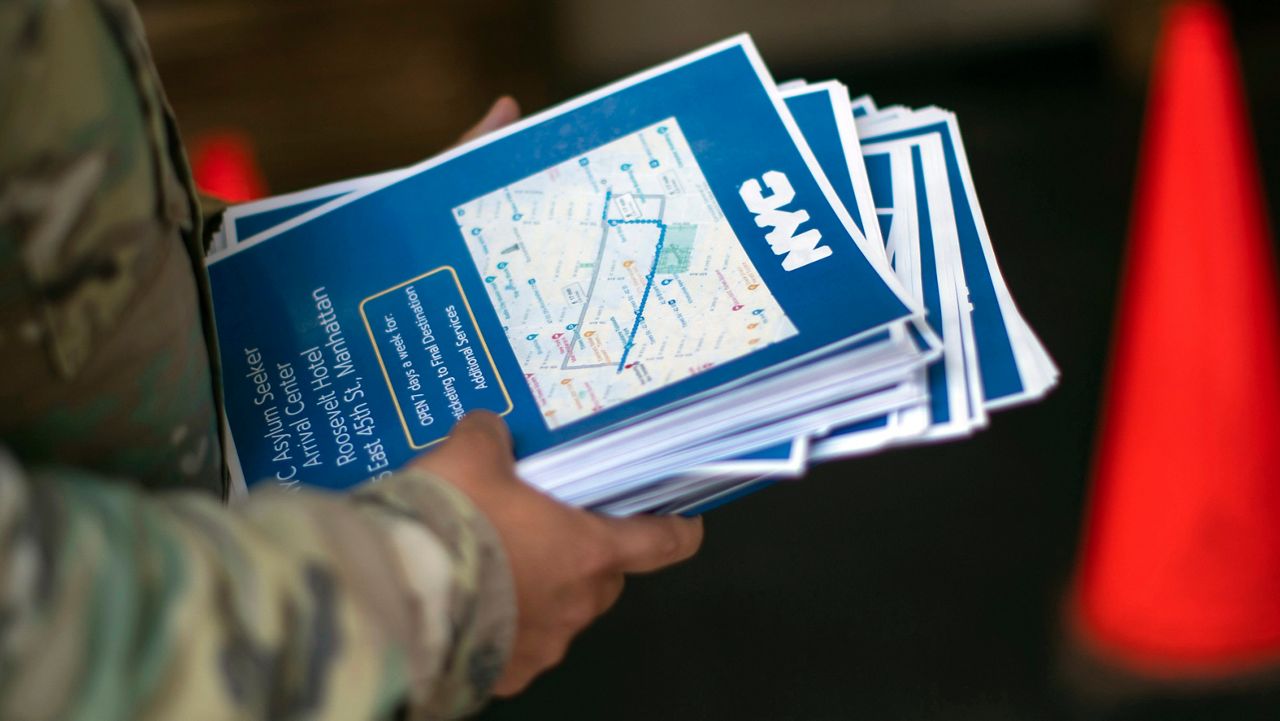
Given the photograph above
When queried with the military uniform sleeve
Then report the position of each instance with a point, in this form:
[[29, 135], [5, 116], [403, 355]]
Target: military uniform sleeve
[[117, 603]]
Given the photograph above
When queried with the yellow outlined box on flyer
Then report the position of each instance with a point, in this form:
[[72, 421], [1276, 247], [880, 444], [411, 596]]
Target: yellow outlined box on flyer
[[386, 376]]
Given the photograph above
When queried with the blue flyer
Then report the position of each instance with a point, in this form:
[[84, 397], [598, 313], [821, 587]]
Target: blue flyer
[[818, 109], [658, 241], [1005, 366]]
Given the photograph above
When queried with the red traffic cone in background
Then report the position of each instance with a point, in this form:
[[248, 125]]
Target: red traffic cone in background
[[1179, 574], [224, 166]]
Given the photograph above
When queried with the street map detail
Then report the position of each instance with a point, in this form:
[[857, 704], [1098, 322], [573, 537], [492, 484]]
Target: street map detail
[[615, 274]]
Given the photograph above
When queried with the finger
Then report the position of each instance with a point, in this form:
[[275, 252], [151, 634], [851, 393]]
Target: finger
[[647, 543], [503, 112]]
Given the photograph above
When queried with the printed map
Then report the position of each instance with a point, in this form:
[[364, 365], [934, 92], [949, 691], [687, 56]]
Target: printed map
[[615, 274]]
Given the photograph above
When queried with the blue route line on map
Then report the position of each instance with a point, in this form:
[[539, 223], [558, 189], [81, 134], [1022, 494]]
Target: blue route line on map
[[648, 286], [653, 271]]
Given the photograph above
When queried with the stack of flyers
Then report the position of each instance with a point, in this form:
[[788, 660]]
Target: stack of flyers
[[675, 289]]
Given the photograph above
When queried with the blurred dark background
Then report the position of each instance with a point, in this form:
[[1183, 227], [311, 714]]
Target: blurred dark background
[[918, 584]]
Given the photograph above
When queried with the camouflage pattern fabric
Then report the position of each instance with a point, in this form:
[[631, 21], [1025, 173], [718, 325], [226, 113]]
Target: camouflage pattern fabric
[[127, 590]]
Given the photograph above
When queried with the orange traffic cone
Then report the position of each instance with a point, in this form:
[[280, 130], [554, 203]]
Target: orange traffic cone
[[1179, 574]]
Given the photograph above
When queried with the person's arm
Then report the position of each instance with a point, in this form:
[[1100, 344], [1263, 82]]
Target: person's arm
[[117, 604]]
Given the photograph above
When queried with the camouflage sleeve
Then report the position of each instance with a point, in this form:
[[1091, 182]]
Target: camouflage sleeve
[[116, 603]]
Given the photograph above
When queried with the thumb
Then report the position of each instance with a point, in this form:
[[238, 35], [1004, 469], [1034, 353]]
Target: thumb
[[482, 431], [480, 434], [478, 446]]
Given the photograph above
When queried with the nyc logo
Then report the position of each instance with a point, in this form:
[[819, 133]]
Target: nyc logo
[[800, 250]]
